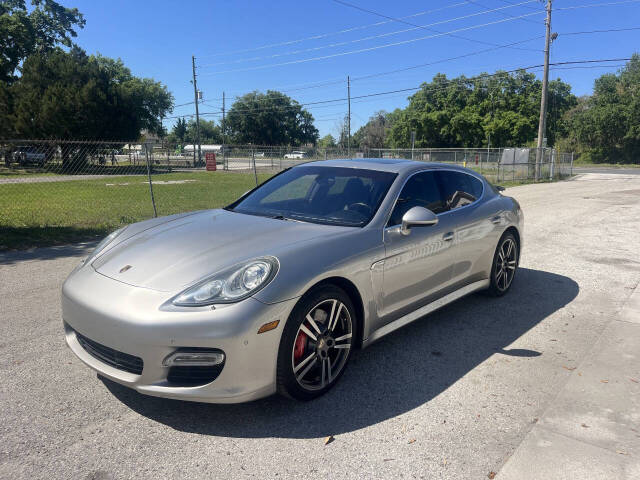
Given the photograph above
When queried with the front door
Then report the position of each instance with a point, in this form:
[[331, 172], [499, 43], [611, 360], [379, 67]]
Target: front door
[[418, 266]]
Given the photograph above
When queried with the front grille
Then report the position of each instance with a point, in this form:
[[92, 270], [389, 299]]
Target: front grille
[[114, 358], [193, 376]]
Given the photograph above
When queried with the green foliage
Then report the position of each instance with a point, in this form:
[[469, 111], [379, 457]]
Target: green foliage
[[270, 118], [178, 133], [24, 32], [468, 112], [75, 96], [186, 132], [606, 126], [41, 214], [374, 132], [327, 142], [210, 133]]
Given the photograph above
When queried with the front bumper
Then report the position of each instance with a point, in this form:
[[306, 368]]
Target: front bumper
[[137, 321]]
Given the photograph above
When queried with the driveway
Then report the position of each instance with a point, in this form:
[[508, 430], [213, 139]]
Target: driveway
[[450, 396]]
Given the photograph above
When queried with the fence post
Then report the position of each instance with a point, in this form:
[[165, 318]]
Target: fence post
[[553, 161], [571, 168], [255, 173], [153, 201], [513, 165]]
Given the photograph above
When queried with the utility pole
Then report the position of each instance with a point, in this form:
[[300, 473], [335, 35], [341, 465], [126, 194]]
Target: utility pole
[[195, 94], [543, 99], [224, 135], [349, 117]]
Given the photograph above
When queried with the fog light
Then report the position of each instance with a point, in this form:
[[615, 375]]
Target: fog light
[[194, 357]]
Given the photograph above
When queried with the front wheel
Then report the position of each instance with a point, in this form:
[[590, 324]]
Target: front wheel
[[316, 343], [504, 266]]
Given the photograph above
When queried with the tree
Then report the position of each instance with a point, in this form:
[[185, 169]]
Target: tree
[[501, 108], [75, 96], [327, 141], [6, 122], [270, 118], [606, 126], [178, 132], [210, 133], [24, 32], [373, 133], [343, 133]]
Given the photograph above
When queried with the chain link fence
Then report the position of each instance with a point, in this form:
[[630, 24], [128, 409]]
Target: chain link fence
[[80, 189]]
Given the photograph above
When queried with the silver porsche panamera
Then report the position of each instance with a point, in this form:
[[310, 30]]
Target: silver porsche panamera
[[274, 292]]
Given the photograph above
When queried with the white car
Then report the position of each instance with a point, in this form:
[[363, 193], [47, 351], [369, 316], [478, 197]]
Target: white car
[[296, 154]]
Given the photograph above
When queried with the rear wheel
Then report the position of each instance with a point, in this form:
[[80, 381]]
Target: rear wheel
[[505, 264], [316, 343]]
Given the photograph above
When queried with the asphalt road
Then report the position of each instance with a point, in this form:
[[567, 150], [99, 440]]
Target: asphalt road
[[450, 396]]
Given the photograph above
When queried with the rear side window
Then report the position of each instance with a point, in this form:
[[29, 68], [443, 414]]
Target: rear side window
[[421, 190], [459, 189]]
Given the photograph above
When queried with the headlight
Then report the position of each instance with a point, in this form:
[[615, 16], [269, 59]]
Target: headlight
[[231, 285], [101, 246]]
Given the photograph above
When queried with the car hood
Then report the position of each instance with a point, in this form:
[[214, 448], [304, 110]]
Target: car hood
[[174, 254]]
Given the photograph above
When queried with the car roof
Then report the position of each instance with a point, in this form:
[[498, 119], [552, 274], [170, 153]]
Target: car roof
[[395, 165]]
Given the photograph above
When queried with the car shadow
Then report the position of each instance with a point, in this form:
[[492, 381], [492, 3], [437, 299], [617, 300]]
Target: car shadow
[[20, 244], [395, 375]]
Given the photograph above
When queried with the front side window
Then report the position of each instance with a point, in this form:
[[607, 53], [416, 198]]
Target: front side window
[[421, 190], [329, 195]]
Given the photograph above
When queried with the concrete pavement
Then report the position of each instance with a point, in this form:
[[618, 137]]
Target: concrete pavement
[[460, 394], [591, 430], [607, 170]]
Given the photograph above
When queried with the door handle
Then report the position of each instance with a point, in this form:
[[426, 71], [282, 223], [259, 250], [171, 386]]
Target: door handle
[[497, 219], [447, 237]]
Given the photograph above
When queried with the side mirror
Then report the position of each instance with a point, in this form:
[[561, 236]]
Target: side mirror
[[417, 216]]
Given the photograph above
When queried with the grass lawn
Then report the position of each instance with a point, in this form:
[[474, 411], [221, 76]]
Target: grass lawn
[[50, 213], [41, 214]]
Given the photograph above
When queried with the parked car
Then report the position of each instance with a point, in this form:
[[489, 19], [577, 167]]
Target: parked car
[[274, 292], [258, 154], [29, 156], [296, 154]]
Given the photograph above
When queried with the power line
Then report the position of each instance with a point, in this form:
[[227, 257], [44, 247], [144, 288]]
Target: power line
[[601, 31], [457, 57], [325, 103], [183, 104], [325, 35], [363, 39], [526, 6], [473, 2], [399, 20], [329, 82], [590, 5], [369, 49]]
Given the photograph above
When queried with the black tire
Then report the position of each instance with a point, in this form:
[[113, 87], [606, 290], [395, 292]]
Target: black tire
[[504, 265], [328, 343]]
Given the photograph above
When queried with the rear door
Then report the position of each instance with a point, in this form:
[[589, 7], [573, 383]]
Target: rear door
[[471, 224]]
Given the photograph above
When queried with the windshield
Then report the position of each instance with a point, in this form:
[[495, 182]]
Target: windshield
[[329, 195]]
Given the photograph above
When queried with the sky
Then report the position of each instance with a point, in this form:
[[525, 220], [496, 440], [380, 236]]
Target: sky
[[308, 48]]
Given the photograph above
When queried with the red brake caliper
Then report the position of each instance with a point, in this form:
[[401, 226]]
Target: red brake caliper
[[301, 343]]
